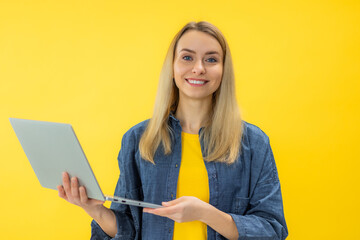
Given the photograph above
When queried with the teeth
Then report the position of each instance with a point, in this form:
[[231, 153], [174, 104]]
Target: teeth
[[196, 82]]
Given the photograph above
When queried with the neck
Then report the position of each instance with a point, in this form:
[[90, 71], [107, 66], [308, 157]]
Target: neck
[[193, 114]]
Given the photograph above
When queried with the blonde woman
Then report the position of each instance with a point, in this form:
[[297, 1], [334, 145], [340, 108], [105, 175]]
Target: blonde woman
[[214, 174]]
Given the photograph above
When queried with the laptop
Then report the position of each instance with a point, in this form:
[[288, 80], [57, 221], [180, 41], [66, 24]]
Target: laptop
[[53, 148]]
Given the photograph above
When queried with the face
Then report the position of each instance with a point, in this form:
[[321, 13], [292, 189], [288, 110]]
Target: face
[[198, 65]]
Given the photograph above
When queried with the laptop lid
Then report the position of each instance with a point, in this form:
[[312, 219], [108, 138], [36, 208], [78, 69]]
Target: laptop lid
[[53, 148]]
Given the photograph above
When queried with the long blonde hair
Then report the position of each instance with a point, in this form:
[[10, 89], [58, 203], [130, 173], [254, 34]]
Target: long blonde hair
[[222, 135]]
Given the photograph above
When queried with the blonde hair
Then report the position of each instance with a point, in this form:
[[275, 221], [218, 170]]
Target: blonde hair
[[222, 135]]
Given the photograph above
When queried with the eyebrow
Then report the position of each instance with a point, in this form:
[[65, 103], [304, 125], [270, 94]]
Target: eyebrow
[[192, 51]]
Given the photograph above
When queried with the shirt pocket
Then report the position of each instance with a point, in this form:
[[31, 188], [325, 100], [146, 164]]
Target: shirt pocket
[[240, 205]]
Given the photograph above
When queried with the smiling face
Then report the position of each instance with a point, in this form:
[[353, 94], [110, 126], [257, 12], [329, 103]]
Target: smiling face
[[198, 65]]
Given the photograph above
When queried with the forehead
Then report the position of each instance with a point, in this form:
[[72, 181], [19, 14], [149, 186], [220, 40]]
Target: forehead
[[199, 42]]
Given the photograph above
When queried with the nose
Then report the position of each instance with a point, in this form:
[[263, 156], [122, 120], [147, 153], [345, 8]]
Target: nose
[[199, 67]]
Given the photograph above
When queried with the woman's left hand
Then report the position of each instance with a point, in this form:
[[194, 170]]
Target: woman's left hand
[[183, 209]]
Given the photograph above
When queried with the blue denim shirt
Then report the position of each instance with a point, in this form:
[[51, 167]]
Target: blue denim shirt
[[248, 190]]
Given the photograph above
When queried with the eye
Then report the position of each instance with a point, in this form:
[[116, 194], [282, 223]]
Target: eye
[[187, 58], [212, 60]]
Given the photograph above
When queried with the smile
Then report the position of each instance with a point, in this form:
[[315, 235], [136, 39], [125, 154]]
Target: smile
[[196, 82]]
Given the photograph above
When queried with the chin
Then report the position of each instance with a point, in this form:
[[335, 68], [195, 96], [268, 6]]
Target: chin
[[198, 97]]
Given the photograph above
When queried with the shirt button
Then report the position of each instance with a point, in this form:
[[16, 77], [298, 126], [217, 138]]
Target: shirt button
[[172, 196], [176, 165]]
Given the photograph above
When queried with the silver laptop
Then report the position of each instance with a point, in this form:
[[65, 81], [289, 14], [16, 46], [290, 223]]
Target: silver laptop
[[53, 148]]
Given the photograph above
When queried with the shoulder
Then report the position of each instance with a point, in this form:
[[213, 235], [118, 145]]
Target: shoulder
[[259, 154], [130, 140], [135, 132], [253, 136]]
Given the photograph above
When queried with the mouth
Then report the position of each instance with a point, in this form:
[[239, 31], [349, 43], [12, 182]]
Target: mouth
[[196, 82]]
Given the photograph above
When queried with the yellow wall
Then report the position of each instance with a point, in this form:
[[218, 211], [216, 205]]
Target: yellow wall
[[95, 64]]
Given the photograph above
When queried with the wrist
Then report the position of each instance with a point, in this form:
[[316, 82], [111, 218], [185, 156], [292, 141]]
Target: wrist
[[95, 212], [220, 221], [205, 213]]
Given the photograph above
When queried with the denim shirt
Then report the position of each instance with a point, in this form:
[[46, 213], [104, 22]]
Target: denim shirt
[[248, 190]]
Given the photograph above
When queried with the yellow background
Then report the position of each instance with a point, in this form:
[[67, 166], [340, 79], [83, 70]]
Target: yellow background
[[95, 64]]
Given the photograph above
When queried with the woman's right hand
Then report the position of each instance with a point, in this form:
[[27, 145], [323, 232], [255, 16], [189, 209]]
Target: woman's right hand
[[75, 194]]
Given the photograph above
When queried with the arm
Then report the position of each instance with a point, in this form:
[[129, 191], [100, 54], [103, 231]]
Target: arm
[[118, 221], [264, 215], [105, 218], [127, 222], [186, 209], [220, 221], [71, 192], [261, 214]]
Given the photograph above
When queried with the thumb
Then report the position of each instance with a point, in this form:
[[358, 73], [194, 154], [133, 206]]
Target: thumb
[[171, 203]]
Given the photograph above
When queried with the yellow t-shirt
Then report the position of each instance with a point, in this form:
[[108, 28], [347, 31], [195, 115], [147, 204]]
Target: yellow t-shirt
[[192, 181]]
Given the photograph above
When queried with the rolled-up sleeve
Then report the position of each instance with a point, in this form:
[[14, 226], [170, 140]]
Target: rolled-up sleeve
[[124, 224], [264, 217]]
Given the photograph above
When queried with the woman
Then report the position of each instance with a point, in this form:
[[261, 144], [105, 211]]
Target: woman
[[214, 174]]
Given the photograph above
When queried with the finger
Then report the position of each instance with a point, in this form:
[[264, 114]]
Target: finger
[[66, 183], [148, 210], [83, 196], [75, 188], [164, 212], [85, 200], [61, 192], [173, 202]]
